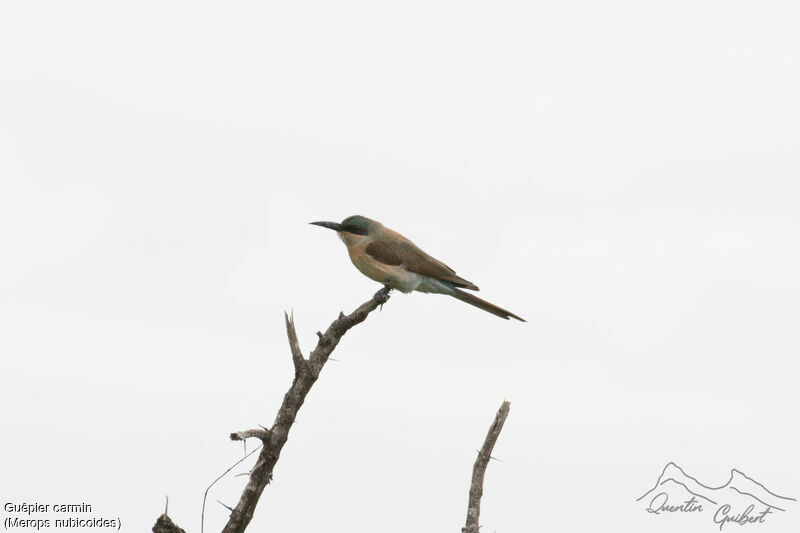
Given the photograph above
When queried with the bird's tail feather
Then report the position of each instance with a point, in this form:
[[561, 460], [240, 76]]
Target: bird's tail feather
[[483, 304]]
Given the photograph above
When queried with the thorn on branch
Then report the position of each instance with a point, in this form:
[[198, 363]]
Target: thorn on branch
[[491, 458], [225, 506]]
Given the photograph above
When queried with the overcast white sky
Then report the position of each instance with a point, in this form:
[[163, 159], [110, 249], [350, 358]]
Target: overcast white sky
[[624, 175]]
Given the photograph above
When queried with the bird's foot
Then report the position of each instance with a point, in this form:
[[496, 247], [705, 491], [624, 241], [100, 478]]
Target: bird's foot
[[385, 292]]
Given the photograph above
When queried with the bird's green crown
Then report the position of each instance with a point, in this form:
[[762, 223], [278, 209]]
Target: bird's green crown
[[357, 224]]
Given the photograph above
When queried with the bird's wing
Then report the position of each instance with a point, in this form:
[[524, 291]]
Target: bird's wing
[[403, 252]]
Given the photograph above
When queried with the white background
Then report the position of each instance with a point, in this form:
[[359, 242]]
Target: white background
[[624, 175]]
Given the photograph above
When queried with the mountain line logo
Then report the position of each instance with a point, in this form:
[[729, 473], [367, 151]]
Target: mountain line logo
[[741, 500]]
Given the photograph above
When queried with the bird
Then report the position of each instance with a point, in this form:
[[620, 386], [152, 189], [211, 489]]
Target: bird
[[387, 257]]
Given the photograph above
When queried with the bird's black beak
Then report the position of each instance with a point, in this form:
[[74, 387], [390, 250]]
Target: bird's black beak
[[335, 226]]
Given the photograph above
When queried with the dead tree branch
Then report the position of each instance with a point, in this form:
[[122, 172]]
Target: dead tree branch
[[479, 470], [306, 373], [165, 525]]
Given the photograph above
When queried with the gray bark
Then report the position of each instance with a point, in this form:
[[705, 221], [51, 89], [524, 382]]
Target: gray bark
[[306, 372], [479, 470]]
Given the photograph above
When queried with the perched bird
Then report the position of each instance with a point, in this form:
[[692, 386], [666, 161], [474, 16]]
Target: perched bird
[[389, 258]]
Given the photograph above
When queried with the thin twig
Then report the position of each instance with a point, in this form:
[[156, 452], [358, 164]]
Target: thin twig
[[205, 495]]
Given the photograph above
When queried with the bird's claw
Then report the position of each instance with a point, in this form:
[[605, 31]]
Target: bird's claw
[[385, 291]]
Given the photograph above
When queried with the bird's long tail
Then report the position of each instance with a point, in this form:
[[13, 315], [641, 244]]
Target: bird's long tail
[[483, 304]]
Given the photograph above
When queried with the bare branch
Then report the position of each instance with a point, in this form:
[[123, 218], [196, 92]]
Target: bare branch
[[248, 433], [304, 379], [479, 470]]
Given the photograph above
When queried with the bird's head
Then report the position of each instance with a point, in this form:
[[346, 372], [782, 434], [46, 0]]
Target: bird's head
[[355, 224]]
